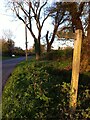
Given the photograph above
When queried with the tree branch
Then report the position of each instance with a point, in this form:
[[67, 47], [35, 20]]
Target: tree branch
[[81, 6], [25, 12], [45, 19], [41, 9]]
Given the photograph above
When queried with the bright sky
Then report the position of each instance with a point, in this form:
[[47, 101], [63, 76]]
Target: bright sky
[[7, 22], [17, 27]]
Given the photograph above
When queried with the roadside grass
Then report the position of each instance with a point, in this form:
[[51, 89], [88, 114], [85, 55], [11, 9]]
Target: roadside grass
[[7, 57], [39, 90], [0, 110], [0, 57]]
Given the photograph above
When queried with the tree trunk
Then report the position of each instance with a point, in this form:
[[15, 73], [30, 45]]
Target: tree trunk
[[48, 47], [85, 63], [75, 14], [49, 44], [88, 41], [88, 37], [37, 49], [76, 21]]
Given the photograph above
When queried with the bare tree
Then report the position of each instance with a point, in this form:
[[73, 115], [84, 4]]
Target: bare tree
[[59, 17], [7, 34], [33, 10], [7, 47], [8, 43]]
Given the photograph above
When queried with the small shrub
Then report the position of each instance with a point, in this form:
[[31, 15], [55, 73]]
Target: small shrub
[[59, 54]]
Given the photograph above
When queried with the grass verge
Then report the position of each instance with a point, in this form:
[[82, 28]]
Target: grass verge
[[7, 57]]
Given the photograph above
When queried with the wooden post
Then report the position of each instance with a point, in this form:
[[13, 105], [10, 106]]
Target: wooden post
[[26, 37], [75, 69]]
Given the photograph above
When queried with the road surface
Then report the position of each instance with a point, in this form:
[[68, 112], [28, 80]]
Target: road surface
[[7, 68]]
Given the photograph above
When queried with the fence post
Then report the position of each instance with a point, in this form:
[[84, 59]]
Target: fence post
[[75, 69], [26, 38]]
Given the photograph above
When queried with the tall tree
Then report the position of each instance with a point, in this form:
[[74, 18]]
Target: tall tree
[[85, 63], [10, 45], [4, 48], [59, 16], [88, 33], [7, 47], [7, 34], [33, 10], [7, 42], [78, 15], [75, 11]]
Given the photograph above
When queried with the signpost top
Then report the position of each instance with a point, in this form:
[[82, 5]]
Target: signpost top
[[67, 35]]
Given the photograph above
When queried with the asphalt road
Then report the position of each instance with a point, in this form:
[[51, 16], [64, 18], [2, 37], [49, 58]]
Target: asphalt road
[[7, 68]]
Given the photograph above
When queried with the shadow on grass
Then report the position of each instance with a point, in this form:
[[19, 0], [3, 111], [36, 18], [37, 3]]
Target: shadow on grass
[[59, 94], [65, 76]]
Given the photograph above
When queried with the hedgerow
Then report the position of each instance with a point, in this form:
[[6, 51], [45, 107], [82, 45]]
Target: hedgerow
[[59, 55]]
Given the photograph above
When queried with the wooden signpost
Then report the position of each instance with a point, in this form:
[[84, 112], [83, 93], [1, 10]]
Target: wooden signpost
[[66, 35], [77, 36], [75, 69]]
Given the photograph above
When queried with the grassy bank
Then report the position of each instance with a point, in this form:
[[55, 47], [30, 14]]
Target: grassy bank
[[39, 90]]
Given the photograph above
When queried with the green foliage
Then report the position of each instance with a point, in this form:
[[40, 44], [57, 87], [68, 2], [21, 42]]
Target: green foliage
[[40, 91], [7, 47], [59, 54], [18, 51]]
